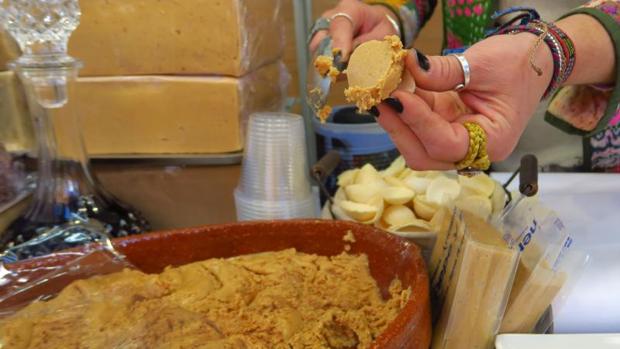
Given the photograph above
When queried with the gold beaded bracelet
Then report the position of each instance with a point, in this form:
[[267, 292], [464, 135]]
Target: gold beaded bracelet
[[477, 157]]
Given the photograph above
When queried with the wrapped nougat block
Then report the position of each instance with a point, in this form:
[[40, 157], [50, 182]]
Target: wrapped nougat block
[[155, 115], [472, 270], [547, 260], [9, 51], [534, 289], [190, 37], [16, 132]]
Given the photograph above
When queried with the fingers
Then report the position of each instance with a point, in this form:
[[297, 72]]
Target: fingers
[[377, 33], [408, 143], [342, 30], [434, 73], [443, 141], [316, 40]]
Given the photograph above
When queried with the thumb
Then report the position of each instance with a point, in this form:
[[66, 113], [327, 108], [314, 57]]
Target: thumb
[[434, 73]]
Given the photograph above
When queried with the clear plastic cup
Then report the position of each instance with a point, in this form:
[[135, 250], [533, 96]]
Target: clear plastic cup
[[252, 209], [275, 166]]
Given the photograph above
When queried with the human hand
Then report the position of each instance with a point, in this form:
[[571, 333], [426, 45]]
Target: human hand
[[504, 91], [369, 23]]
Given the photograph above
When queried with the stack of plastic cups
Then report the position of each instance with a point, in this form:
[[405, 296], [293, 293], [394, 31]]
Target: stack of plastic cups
[[275, 181]]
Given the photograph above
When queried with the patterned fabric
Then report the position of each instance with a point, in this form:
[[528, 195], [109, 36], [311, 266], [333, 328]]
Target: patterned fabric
[[605, 149], [465, 21], [611, 8], [592, 111], [423, 8]]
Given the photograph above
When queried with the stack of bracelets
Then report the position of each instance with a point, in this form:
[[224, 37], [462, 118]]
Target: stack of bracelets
[[559, 43]]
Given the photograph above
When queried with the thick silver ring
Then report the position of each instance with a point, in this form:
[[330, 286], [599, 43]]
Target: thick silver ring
[[466, 71], [344, 15], [321, 23]]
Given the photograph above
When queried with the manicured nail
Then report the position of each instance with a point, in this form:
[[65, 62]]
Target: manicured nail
[[374, 111], [394, 104], [423, 61]]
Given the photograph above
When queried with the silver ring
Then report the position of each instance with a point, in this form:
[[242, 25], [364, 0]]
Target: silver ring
[[466, 72], [321, 23], [344, 15]]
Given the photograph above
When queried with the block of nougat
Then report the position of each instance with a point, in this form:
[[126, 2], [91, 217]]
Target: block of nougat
[[15, 123], [472, 270], [150, 115], [9, 50], [225, 37], [534, 289]]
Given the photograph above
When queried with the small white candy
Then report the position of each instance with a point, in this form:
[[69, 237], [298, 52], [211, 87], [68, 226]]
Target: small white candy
[[418, 184], [359, 212], [362, 193], [398, 195], [395, 168], [443, 190], [423, 208], [480, 184], [398, 215], [368, 174], [476, 204], [347, 177]]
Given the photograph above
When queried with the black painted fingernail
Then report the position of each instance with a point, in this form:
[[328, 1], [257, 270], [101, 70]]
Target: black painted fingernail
[[423, 61], [394, 104], [374, 111]]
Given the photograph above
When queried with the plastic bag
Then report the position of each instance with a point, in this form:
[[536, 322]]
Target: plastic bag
[[548, 260], [23, 283], [472, 271]]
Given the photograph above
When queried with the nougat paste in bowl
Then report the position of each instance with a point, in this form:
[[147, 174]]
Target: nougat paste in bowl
[[284, 299]]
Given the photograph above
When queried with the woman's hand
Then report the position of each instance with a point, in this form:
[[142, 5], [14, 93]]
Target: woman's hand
[[369, 23], [503, 93]]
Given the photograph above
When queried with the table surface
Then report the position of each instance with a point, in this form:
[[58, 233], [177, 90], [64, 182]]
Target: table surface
[[589, 205]]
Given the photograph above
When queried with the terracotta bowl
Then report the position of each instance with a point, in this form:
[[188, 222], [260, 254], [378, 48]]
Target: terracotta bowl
[[389, 257]]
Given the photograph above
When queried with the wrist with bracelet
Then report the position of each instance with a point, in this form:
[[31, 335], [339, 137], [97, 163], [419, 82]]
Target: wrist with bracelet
[[561, 46]]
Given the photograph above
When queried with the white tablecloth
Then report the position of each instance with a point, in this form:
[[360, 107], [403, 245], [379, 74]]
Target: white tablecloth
[[589, 205]]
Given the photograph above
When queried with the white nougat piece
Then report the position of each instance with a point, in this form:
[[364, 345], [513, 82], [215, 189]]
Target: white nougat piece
[[443, 190], [347, 177], [424, 208], [368, 175], [398, 195], [476, 204], [398, 216], [363, 193], [481, 184], [416, 183]]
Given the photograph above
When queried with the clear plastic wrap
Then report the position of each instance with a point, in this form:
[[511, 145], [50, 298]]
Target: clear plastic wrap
[[472, 270], [23, 283], [548, 265], [189, 37]]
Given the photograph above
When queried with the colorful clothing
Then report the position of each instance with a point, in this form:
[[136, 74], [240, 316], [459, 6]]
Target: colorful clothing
[[592, 112]]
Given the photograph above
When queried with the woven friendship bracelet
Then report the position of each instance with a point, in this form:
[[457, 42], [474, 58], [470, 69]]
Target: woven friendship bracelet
[[561, 46]]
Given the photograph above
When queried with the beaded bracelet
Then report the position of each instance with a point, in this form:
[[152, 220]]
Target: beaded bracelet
[[561, 46]]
